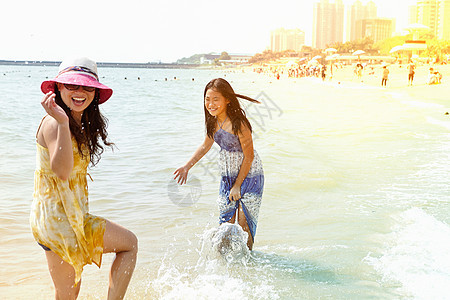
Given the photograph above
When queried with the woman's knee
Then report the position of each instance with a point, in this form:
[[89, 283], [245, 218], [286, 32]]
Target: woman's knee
[[119, 239], [67, 293], [133, 242]]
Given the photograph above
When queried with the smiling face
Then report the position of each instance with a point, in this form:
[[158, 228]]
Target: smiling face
[[216, 104], [77, 100]]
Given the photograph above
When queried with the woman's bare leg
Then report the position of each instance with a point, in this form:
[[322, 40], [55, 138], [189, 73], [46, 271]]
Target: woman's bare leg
[[63, 276], [124, 243], [243, 222]]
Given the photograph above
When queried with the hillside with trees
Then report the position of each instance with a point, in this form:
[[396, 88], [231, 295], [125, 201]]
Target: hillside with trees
[[193, 59], [366, 44]]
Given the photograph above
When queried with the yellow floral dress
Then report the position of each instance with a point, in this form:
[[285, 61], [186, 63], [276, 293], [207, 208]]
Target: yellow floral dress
[[60, 218]]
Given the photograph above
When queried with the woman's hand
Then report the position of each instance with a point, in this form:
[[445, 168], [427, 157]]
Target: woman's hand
[[235, 193], [181, 174], [53, 109]]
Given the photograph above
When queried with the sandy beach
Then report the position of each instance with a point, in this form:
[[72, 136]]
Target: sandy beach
[[397, 80], [398, 76]]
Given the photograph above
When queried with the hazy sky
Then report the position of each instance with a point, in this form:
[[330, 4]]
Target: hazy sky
[[148, 30]]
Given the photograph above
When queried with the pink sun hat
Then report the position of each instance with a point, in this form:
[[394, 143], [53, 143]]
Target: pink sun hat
[[79, 71]]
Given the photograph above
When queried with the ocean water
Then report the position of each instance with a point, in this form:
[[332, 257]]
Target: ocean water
[[356, 200]]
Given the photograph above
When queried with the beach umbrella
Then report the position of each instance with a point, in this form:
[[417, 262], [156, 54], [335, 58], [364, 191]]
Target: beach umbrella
[[396, 49], [302, 60], [416, 29], [358, 52], [313, 62], [332, 57], [414, 45], [317, 57], [416, 26], [330, 50]]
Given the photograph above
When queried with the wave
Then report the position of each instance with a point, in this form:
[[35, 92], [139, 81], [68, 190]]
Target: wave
[[416, 256], [421, 104], [445, 124]]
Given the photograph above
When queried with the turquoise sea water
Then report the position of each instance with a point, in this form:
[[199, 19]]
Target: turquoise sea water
[[356, 202]]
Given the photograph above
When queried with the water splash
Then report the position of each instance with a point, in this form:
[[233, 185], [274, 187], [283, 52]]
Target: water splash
[[227, 242], [223, 269]]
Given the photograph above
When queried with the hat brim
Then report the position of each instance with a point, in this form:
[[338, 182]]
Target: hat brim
[[78, 79]]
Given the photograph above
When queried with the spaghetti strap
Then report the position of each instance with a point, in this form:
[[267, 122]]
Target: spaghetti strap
[[220, 125]]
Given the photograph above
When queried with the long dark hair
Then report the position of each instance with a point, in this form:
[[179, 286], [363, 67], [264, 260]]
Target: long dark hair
[[90, 131], [234, 111]]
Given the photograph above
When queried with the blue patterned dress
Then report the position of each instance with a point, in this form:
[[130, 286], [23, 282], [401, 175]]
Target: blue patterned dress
[[230, 161]]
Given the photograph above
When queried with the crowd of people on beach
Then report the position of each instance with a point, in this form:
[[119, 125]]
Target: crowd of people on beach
[[298, 71], [314, 68]]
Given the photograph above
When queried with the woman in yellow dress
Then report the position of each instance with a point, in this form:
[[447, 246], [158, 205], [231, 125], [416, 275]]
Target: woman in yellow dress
[[68, 139]]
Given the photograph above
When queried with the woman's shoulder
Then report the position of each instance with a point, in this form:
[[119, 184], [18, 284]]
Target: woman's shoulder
[[244, 128], [47, 128], [49, 124]]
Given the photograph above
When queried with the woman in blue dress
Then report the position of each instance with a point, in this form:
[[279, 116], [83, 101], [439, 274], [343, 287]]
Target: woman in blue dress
[[242, 177]]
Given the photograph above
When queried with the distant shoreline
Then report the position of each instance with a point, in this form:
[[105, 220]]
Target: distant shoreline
[[108, 64]]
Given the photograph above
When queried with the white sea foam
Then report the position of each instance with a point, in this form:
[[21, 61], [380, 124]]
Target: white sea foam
[[397, 95], [421, 104], [285, 248], [445, 124], [417, 256], [220, 272], [174, 284]]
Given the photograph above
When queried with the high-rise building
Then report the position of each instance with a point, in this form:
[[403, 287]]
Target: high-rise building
[[378, 29], [328, 23], [358, 11], [412, 16], [427, 11], [443, 20], [433, 13], [286, 39]]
